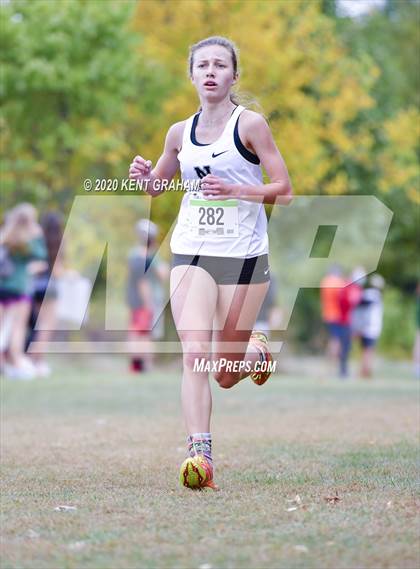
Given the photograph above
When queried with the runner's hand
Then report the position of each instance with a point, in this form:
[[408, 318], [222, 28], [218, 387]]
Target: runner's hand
[[215, 188], [140, 169]]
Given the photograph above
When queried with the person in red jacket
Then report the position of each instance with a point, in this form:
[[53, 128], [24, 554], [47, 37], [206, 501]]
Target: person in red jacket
[[349, 298]]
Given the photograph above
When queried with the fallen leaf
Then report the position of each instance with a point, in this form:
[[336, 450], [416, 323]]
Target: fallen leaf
[[332, 499], [65, 508], [295, 500], [297, 503], [76, 546]]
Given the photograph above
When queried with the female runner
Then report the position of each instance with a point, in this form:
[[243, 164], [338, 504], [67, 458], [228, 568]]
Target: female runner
[[220, 272]]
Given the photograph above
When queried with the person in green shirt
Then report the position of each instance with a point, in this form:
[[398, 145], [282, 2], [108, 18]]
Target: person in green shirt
[[22, 251]]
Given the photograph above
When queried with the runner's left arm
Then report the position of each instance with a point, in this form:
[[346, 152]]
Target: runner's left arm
[[256, 134]]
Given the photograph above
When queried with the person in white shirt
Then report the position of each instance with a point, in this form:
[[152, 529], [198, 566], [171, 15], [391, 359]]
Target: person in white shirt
[[220, 272], [367, 321]]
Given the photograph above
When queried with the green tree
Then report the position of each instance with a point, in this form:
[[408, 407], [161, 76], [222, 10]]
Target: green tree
[[390, 38], [67, 74]]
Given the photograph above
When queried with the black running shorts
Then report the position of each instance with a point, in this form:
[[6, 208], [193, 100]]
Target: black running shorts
[[229, 270]]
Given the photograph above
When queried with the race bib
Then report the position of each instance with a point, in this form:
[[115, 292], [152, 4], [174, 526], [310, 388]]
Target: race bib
[[215, 218]]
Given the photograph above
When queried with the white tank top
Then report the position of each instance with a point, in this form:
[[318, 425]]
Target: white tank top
[[225, 228]]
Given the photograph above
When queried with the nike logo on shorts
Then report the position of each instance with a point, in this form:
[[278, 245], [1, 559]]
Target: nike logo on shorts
[[218, 154]]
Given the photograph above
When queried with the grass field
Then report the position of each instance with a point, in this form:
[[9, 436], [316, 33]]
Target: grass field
[[313, 473]]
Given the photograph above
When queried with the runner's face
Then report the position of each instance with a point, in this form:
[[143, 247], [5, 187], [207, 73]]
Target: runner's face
[[212, 72]]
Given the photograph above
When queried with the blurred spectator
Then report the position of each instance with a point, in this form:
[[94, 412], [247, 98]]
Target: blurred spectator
[[339, 297], [23, 252], [331, 286], [367, 321], [145, 292], [45, 289], [349, 298]]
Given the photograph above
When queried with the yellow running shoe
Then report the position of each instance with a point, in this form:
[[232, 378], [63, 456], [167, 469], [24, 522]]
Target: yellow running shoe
[[196, 473], [259, 339]]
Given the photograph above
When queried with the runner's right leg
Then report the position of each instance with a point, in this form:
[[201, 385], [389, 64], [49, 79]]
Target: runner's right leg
[[193, 302]]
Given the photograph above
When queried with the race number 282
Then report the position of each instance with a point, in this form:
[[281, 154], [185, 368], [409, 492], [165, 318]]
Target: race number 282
[[211, 216]]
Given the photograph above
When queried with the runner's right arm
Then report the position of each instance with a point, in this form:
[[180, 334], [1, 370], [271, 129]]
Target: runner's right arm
[[167, 165]]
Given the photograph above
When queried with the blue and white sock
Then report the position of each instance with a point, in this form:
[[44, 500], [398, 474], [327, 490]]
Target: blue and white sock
[[200, 443]]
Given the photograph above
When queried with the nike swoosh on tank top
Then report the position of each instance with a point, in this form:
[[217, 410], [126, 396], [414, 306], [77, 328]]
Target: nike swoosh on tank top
[[224, 228]]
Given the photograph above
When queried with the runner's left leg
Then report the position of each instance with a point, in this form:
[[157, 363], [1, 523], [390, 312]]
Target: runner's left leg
[[236, 312]]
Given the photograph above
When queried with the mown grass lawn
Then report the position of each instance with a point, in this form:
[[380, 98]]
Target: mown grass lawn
[[313, 473]]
